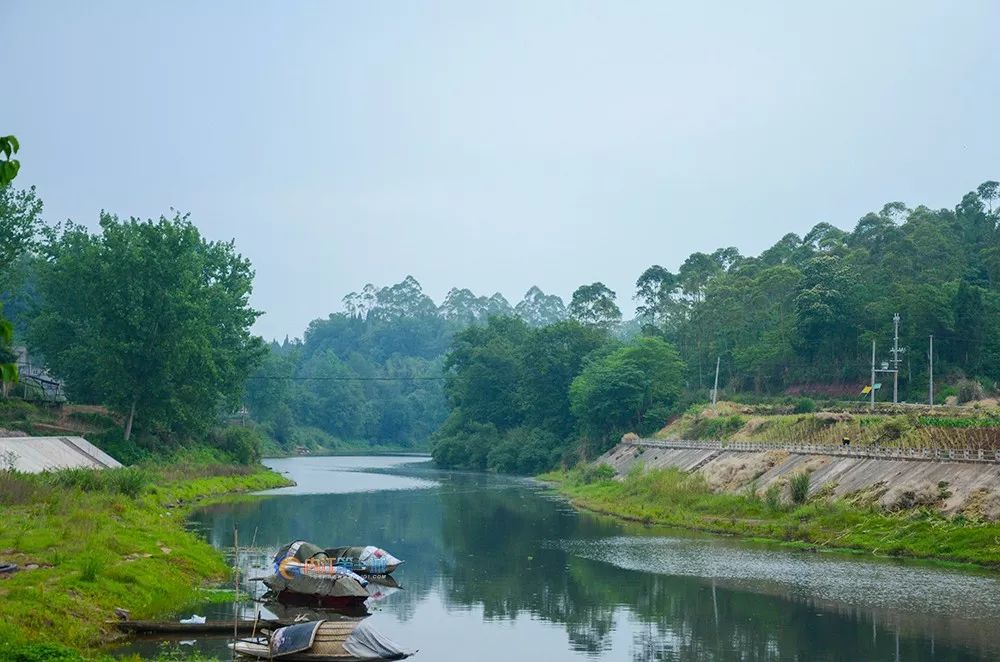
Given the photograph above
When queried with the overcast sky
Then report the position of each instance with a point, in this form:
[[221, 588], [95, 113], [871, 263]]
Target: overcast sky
[[495, 145]]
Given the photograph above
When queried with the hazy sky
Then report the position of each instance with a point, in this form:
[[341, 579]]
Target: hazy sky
[[495, 145]]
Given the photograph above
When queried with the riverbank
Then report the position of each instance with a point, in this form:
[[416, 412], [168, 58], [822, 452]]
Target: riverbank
[[92, 541], [675, 498]]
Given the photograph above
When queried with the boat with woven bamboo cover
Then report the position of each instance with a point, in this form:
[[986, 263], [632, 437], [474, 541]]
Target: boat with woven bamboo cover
[[323, 641]]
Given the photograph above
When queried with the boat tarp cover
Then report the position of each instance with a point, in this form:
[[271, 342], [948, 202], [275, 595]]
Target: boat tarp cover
[[300, 549], [370, 558], [294, 572], [293, 638], [368, 643]]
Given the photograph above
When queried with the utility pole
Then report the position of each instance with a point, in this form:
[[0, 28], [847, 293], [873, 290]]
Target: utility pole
[[873, 377], [895, 358], [715, 391], [930, 354]]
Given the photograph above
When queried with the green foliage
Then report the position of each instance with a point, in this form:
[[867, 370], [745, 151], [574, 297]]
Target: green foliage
[[616, 393], [588, 474], [38, 652], [957, 422], [91, 565], [242, 444], [526, 451], [9, 166], [594, 305], [672, 497], [519, 393], [112, 441], [804, 406], [772, 497], [148, 318], [798, 486], [715, 428], [800, 316], [16, 489], [100, 549], [128, 481]]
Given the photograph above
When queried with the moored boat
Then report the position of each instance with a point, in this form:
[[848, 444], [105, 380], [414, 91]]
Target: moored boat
[[304, 572], [323, 641]]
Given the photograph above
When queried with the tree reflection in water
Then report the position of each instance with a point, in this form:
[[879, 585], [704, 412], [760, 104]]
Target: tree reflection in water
[[479, 542]]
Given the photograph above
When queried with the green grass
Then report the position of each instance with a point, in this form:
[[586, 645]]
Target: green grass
[[671, 497], [104, 540]]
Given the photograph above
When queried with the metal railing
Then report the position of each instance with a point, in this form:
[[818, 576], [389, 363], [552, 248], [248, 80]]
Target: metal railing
[[867, 451]]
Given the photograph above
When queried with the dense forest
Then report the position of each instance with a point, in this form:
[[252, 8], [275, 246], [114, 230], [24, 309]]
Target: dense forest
[[489, 384], [373, 373], [798, 318]]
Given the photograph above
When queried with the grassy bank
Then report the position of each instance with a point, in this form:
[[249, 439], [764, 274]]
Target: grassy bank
[[674, 498], [101, 540]]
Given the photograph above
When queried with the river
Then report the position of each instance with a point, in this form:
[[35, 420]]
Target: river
[[499, 568]]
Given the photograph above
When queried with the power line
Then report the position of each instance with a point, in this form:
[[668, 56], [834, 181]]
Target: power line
[[343, 379]]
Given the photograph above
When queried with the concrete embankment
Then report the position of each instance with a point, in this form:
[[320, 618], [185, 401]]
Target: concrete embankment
[[951, 486]]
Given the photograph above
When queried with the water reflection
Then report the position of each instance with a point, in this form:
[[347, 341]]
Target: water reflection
[[498, 570]]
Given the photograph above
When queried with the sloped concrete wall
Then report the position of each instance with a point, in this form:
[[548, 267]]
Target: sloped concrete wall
[[37, 454], [951, 487]]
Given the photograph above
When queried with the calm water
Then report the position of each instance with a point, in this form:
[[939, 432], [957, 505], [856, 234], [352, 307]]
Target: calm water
[[499, 569]]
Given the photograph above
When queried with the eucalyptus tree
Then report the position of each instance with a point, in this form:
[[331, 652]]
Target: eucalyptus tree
[[594, 305], [540, 309]]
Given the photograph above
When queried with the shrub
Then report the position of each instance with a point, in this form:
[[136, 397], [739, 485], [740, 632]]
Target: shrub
[[242, 444], [772, 497], [130, 481], [799, 487], [805, 406], [17, 410], [37, 652], [969, 390], [94, 419], [307, 437], [717, 428], [525, 451], [113, 443], [586, 474], [894, 429]]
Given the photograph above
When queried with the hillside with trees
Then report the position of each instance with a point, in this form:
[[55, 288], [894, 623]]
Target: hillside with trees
[[803, 313], [372, 375], [797, 319], [151, 319]]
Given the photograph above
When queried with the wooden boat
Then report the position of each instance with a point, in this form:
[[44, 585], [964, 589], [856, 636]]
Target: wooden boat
[[303, 572], [323, 641]]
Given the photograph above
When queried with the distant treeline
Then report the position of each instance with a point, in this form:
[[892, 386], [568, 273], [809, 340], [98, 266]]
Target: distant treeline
[[130, 317], [803, 313], [374, 372]]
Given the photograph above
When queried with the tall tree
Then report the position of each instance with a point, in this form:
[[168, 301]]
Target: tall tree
[[594, 305], [540, 309], [632, 387], [149, 318]]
